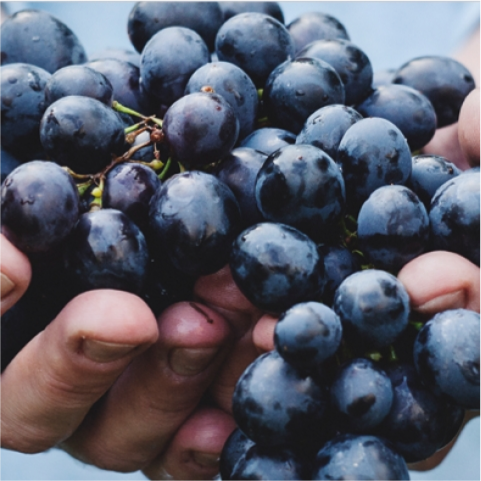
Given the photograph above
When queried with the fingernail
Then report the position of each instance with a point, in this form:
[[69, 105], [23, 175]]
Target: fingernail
[[190, 361], [453, 300], [208, 460], [7, 286], [100, 351]]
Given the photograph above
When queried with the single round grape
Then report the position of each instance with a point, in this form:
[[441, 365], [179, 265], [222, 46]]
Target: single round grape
[[194, 218], [312, 26], [168, 60], [392, 227], [40, 206], [78, 80], [296, 89], [362, 395], [443, 80], [429, 173], [81, 133], [307, 334], [454, 216], [107, 251], [200, 128], [276, 266], [118, 53], [301, 186], [255, 42], [372, 153], [129, 188], [405, 107], [350, 62], [234, 85], [373, 307], [446, 355], [230, 9], [274, 404], [38, 38], [23, 104]]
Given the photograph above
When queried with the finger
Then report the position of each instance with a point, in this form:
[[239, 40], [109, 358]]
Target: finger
[[133, 424], [16, 274], [56, 378], [468, 133], [263, 335], [446, 144], [220, 292], [441, 280], [194, 452]]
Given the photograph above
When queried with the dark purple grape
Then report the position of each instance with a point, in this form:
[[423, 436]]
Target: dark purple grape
[[255, 42], [148, 18], [296, 89], [107, 251], [200, 128], [239, 172], [325, 127], [350, 62], [374, 309], [429, 173], [232, 83], [276, 266], [308, 334], [129, 188], [275, 405], [419, 423], [81, 133], [127, 88], [269, 463], [392, 227], [446, 355], [78, 80], [194, 218], [454, 216], [23, 104], [40, 206], [408, 109], [362, 395], [268, 139], [339, 263], [359, 457], [38, 38], [235, 447], [372, 153], [443, 80], [313, 26], [168, 60], [301, 186]]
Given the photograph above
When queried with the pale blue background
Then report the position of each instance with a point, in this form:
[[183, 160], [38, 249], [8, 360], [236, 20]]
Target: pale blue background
[[390, 33]]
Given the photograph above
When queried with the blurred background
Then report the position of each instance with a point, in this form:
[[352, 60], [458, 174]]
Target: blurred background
[[390, 33]]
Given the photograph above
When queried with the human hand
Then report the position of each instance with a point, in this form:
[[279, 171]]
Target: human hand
[[114, 387]]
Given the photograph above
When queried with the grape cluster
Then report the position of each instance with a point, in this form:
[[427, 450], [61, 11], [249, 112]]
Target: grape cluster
[[234, 139]]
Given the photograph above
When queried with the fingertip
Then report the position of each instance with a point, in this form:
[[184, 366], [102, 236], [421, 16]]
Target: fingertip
[[468, 131], [16, 273], [263, 334], [440, 280]]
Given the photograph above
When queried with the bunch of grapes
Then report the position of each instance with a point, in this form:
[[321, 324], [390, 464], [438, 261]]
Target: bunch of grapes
[[231, 138]]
